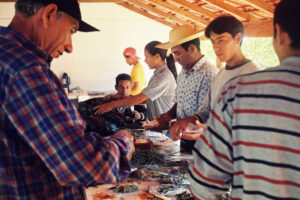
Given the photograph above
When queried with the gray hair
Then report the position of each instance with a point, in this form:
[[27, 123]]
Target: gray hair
[[28, 7]]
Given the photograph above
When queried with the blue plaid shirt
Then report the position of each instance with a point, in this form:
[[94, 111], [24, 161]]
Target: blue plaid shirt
[[44, 153]]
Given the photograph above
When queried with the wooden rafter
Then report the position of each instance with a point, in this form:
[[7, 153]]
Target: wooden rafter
[[156, 11], [103, 1], [256, 15], [179, 11], [261, 5], [230, 9], [196, 8], [146, 14]]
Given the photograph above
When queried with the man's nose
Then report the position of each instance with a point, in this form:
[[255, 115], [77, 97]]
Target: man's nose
[[69, 48]]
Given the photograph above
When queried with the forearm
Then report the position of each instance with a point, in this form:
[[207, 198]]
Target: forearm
[[130, 101]]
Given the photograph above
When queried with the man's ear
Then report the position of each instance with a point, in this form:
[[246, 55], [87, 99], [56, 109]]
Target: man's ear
[[192, 48], [282, 37], [238, 37], [49, 14], [116, 87]]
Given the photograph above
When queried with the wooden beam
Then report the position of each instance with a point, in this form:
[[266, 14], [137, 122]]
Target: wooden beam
[[102, 1], [230, 9], [146, 14], [196, 8], [179, 11], [259, 28], [261, 5], [98, 1], [156, 11]]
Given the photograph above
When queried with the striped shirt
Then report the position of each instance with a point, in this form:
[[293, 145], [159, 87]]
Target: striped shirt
[[219, 81], [252, 140], [44, 153]]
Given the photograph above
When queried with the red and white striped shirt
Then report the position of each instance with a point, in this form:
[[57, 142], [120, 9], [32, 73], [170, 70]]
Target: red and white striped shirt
[[252, 141]]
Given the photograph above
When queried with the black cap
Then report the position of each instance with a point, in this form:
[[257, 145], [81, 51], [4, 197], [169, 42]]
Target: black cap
[[70, 7]]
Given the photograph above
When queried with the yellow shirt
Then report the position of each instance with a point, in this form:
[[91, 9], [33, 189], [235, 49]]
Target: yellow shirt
[[138, 75]]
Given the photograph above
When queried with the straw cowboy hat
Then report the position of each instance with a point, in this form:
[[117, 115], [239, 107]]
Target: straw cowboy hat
[[180, 35]]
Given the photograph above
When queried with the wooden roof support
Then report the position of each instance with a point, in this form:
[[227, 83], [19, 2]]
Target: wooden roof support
[[179, 11], [102, 1], [156, 11], [261, 5], [146, 14], [196, 8], [230, 9]]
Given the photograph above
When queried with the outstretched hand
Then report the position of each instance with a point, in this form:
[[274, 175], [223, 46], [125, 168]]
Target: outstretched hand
[[193, 135], [180, 129], [101, 109]]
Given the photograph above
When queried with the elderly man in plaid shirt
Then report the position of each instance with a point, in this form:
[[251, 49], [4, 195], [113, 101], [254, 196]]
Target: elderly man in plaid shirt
[[44, 153]]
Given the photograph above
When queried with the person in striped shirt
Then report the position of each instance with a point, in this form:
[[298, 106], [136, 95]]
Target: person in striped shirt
[[44, 151], [252, 140]]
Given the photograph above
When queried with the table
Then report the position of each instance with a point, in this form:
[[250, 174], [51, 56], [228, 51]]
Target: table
[[157, 175]]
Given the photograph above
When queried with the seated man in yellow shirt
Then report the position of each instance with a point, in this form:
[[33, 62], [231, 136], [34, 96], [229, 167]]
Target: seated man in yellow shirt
[[137, 73]]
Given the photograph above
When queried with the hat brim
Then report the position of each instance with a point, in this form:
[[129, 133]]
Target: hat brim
[[168, 45], [85, 27]]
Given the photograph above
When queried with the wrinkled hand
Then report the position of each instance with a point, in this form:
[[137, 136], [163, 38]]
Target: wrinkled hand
[[137, 115], [101, 109], [132, 150], [179, 126], [195, 135]]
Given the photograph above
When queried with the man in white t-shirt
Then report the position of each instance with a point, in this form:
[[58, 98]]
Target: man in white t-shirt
[[226, 34]]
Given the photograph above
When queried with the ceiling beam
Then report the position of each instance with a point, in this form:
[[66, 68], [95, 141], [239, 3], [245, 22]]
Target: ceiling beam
[[230, 9], [261, 5], [179, 11], [98, 1], [196, 8], [156, 11], [102, 1], [146, 14]]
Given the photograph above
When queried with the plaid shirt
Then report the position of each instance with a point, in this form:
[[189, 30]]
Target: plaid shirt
[[44, 153]]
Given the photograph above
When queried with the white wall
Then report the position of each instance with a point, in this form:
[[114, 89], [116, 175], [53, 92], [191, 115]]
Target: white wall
[[97, 57]]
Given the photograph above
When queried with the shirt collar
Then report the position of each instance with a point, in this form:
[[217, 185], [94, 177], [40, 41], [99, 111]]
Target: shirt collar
[[11, 34], [197, 66], [292, 61], [157, 71]]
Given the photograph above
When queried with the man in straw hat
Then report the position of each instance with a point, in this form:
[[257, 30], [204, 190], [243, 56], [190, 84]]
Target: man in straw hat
[[252, 140], [226, 34], [193, 81], [137, 72], [45, 152]]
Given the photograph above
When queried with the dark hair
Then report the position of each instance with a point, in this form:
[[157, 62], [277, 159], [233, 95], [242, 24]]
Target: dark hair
[[122, 77], [150, 47], [195, 42], [224, 24], [287, 15]]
